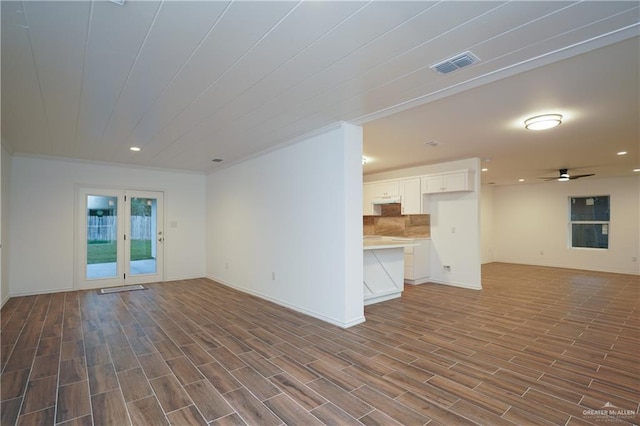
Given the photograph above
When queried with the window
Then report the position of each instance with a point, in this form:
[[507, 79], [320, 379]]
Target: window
[[589, 221]]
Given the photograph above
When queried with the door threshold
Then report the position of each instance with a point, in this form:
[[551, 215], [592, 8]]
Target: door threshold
[[122, 288]]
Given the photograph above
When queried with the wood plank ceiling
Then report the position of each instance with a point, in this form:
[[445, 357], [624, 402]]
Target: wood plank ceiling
[[192, 81]]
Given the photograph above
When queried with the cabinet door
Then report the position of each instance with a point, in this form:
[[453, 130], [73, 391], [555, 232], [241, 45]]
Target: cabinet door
[[421, 259], [446, 182], [408, 265], [456, 181], [386, 189], [367, 196], [432, 184], [410, 196]]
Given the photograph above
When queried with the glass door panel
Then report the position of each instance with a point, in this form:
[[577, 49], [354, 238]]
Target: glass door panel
[[142, 242], [144, 237], [102, 237], [99, 243]]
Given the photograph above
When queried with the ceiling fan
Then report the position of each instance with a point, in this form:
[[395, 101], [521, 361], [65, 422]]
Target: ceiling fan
[[565, 176]]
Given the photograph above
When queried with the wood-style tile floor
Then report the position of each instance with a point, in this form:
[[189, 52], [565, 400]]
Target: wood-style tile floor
[[537, 346]]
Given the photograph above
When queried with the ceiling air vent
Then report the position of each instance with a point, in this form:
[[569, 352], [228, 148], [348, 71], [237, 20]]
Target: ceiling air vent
[[455, 63]]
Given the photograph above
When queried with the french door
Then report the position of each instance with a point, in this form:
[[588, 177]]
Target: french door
[[120, 237]]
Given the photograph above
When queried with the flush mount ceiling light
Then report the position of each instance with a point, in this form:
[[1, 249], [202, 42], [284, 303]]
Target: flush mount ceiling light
[[543, 122], [135, 148], [622, 153], [364, 160]]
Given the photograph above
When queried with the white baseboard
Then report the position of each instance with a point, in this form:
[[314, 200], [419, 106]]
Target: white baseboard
[[417, 282], [44, 291], [383, 298], [4, 300], [454, 284], [576, 267], [62, 290], [313, 314], [189, 277]]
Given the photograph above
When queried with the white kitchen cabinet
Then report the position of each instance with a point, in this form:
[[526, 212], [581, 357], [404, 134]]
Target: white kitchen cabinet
[[447, 182], [410, 196], [385, 189], [417, 261], [377, 190], [367, 198]]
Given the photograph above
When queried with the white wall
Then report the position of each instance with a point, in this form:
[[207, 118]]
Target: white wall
[[530, 219], [5, 172], [297, 213], [41, 232], [455, 225], [486, 224]]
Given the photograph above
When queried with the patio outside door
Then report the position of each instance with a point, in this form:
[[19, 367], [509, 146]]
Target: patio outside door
[[120, 237]]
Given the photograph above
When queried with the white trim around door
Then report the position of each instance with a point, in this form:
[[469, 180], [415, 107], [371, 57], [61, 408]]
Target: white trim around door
[[119, 237]]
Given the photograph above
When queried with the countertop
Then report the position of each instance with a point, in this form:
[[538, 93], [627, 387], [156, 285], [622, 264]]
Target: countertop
[[389, 238], [373, 243]]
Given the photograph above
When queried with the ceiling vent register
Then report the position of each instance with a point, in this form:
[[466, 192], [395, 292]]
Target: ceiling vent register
[[459, 61]]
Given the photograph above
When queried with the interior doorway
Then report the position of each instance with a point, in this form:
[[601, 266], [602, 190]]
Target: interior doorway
[[120, 237]]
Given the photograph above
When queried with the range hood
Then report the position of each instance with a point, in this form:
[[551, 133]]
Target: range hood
[[390, 199]]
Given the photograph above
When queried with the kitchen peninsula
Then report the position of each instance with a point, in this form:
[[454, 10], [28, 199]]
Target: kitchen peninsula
[[383, 268]]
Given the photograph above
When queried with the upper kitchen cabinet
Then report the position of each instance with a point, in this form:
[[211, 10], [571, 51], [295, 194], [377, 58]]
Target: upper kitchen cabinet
[[410, 196], [376, 193], [368, 209], [447, 182], [385, 189]]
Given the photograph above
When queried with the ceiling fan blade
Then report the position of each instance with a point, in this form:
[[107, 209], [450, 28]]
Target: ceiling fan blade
[[549, 178], [581, 176]]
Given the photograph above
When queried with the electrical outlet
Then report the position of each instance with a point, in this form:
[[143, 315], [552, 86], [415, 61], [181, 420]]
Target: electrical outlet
[[447, 268]]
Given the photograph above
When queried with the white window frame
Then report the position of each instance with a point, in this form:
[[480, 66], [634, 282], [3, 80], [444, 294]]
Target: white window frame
[[588, 222]]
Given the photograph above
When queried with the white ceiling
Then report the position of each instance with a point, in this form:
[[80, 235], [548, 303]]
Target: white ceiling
[[192, 81]]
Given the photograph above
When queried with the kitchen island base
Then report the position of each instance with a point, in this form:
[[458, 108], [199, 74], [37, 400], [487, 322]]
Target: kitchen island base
[[383, 272]]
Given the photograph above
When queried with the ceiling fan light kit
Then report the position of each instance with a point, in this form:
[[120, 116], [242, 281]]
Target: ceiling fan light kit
[[564, 176], [543, 122]]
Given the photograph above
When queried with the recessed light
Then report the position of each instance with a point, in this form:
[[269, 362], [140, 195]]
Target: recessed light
[[636, 170], [520, 180], [485, 170], [622, 153], [135, 148], [543, 122]]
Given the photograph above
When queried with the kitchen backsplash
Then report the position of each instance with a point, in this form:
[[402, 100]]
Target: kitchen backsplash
[[392, 224]]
